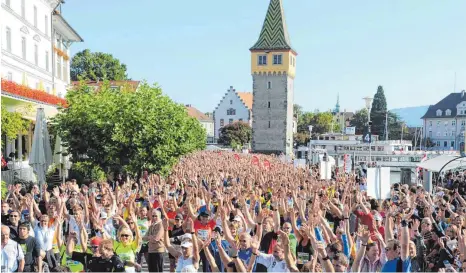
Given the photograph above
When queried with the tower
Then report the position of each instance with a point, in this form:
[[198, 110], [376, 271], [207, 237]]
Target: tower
[[337, 106], [273, 66]]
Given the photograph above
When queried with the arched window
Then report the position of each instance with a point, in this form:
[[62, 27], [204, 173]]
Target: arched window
[[439, 113], [448, 112]]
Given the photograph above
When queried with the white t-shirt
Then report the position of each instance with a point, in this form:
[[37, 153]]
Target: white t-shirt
[[269, 261]]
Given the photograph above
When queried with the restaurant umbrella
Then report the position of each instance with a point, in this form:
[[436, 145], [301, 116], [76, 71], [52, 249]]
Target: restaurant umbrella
[[40, 157]]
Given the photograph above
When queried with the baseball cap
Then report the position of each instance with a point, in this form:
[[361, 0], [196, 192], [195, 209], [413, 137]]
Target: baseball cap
[[179, 216], [237, 218], [204, 214], [95, 241], [218, 229], [186, 244]]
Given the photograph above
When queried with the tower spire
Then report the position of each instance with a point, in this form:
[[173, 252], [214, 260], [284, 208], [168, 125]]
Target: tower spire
[[337, 106], [274, 33]]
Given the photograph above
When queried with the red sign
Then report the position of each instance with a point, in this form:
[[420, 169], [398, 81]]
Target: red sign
[[266, 163], [236, 156], [255, 160]]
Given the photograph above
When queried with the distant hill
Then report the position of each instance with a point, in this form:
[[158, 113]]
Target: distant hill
[[411, 115]]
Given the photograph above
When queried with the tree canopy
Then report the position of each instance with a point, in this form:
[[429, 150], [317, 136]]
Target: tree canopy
[[130, 130], [13, 123], [378, 112], [236, 133], [87, 65]]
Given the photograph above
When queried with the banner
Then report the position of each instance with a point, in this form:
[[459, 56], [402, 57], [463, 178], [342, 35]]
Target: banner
[[236, 156], [255, 160]]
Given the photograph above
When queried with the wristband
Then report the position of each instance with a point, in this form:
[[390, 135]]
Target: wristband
[[325, 258], [234, 257], [255, 254], [193, 232], [259, 224], [364, 244], [346, 218]]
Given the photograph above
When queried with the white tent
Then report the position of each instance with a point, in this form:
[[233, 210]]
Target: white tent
[[449, 161]]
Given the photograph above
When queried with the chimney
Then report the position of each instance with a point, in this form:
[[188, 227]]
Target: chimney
[[188, 105], [462, 93]]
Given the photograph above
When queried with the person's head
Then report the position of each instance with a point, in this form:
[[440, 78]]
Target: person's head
[[372, 251], [95, 245], [412, 249], [451, 231], [131, 223], [187, 249], [14, 217], [125, 235], [44, 220], [233, 228], [278, 252], [106, 248], [334, 248], [156, 216], [426, 224], [178, 220], [5, 234], [204, 218], [340, 262], [23, 230], [392, 249], [267, 225], [5, 207], [287, 227], [244, 241], [35, 189], [143, 212]]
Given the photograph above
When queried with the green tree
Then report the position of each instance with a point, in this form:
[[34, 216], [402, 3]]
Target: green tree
[[359, 121], [378, 112], [87, 65], [129, 130], [13, 123], [322, 122], [301, 138], [236, 133]]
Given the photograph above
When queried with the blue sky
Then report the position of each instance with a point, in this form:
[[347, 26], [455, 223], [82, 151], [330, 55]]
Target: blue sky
[[196, 49]]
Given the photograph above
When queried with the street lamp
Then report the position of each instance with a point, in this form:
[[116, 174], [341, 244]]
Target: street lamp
[[310, 149], [368, 101]]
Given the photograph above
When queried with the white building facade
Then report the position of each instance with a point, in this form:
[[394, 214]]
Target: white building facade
[[234, 106], [35, 45], [445, 122], [35, 63], [206, 122]]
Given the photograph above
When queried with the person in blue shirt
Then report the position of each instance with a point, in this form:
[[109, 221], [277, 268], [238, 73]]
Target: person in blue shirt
[[397, 251], [213, 248]]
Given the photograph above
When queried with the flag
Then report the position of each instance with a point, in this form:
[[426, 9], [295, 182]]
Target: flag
[[255, 160], [236, 156]]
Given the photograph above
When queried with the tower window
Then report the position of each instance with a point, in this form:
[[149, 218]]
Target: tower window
[[231, 101], [231, 112], [262, 59], [269, 104], [277, 59], [230, 121], [269, 85], [222, 122], [269, 123]]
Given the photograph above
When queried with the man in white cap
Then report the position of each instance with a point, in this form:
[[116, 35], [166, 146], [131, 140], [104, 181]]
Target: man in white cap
[[188, 257]]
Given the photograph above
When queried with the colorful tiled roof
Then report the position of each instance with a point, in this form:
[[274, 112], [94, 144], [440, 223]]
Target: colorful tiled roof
[[274, 34], [246, 97], [193, 112]]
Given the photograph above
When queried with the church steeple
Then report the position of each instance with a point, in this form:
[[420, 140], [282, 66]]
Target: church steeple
[[274, 34], [337, 106]]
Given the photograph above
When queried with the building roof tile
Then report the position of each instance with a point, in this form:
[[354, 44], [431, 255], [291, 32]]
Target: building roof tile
[[449, 102], [193, 112]]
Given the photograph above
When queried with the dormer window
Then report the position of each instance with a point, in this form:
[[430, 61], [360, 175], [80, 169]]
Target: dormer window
[[448, 112], [439, 113]]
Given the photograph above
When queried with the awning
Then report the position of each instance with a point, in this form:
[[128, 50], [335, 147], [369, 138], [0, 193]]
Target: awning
[[445, 161]]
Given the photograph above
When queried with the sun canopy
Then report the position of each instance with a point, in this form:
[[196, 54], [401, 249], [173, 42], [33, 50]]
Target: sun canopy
[[449, 161]]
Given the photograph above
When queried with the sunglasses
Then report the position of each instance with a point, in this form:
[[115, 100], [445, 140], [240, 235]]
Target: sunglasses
[[129, 223], [242, 241], [94, 247], [125, 235], [14, 216]]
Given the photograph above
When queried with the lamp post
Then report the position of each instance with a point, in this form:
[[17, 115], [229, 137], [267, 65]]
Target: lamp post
[[368, 101], [310, 149]]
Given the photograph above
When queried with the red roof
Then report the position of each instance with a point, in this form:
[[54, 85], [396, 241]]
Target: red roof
[[193, 112]]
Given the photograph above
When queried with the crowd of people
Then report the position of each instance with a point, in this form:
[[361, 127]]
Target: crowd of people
[[226, 212]]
